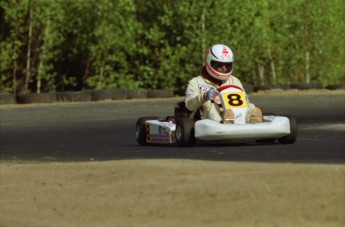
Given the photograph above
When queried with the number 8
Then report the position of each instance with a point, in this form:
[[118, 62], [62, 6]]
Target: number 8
[[235, 100]]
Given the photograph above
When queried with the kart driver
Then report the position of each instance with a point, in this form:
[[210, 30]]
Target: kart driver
[[201, 90]]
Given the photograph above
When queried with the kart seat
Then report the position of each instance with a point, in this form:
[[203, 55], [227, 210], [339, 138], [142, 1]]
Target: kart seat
[[181, 111]]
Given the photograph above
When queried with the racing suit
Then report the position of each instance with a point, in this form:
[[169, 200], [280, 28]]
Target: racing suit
[[210, 110]]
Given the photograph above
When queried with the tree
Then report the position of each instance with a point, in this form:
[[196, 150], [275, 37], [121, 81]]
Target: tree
[[64, 45], [114, 44], [12, 19]]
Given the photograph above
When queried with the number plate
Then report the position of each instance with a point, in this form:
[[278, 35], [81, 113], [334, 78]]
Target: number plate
[[234, 100]]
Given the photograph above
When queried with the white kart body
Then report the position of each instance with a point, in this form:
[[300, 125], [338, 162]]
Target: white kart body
[[160, 132], [272, 127]]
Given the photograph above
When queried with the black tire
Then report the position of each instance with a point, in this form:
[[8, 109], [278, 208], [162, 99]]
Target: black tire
[[181, 91], [336, 87], [109, 94], [291, 138], [7, 98], [160, 93], [49, 97], [185, 132], [140, 130], [272, 86], [137, 93], [306, 86], [73, 96]]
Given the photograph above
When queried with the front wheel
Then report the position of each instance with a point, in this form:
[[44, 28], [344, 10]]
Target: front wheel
[[185, 132], [140, 129], [291, 138]]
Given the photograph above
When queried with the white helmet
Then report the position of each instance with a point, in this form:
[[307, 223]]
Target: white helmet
[[218, 56]]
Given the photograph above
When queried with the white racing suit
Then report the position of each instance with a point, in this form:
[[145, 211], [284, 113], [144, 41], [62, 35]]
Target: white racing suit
[[210, 110]]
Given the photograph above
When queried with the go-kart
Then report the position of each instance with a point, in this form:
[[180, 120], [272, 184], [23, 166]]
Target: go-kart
[[186, 128]]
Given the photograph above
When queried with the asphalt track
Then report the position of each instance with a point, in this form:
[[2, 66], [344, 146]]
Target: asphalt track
[[106, 131]]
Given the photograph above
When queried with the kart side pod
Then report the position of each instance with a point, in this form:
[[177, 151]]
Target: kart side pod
[[283, 129], [150, 130]]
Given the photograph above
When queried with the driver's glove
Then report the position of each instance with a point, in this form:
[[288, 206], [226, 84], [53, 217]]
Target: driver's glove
[[210, 94]]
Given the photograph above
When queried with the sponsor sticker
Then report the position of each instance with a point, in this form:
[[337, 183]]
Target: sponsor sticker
[[204, 87], [160, 138], [190, 95]]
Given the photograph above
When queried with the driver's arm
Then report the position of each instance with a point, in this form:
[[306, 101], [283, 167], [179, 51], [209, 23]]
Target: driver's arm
[[194, 98]]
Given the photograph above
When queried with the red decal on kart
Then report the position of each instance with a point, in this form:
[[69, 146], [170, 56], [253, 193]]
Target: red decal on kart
[[160, 138]]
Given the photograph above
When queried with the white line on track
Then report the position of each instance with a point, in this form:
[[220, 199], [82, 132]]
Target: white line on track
[[333, 127]]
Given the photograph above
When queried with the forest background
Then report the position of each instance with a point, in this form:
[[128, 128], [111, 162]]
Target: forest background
[[73, 45]]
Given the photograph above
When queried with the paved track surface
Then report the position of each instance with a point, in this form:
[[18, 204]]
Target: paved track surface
[[106, 131]]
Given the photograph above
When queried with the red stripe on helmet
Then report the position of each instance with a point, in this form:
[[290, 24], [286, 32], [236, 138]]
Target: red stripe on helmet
[[217, 73]]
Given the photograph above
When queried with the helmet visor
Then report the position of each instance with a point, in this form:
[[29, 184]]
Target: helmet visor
[[222, 67]]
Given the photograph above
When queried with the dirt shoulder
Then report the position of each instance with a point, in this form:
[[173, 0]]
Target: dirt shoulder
[[171, 193]]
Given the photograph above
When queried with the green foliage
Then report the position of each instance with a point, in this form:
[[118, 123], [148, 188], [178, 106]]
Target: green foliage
[[75, 45], [12, 25]]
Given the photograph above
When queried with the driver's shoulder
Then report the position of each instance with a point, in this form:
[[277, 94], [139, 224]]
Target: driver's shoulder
[[233, 80], [196, 79], [199, 79]]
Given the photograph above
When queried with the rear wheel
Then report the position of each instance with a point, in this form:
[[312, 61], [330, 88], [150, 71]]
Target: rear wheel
[[185, 132], [140, 130], [291, 138]]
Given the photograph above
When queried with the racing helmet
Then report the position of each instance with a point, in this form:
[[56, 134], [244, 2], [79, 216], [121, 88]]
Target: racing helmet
[[219, 56]]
